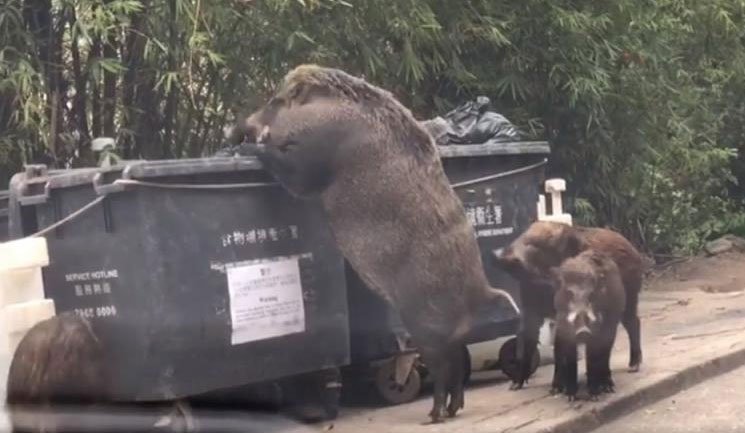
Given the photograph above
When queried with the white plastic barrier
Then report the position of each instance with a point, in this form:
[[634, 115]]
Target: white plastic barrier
[[22, 302], [22, 316], [554, 187]]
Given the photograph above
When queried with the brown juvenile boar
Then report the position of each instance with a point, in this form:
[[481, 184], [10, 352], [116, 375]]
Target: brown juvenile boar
[[544, 246], [58, 364], [394, 215], [589, 305]]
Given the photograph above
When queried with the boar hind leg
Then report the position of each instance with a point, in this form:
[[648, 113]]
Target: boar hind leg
[[438, 364], [527, 345], [632, 325], [455, 385]]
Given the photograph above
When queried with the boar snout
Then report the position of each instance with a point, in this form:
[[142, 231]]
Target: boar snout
[[583, 334], [248, 131], [238, 134], [582, 321], [506, 259]]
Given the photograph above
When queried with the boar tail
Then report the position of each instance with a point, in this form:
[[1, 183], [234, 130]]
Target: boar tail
[[473, 327], [497, 295]]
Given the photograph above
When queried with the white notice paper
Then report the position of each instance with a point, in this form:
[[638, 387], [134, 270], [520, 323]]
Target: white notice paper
[[266, 300]]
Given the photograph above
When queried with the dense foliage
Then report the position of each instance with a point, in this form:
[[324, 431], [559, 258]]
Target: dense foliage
[[641, 100]]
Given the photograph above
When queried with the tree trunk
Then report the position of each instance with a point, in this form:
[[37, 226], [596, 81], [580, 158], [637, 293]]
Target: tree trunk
[[48, 37], [169, 116], [147, 125], [197, 139], [109, 89], [132, 54], [79, 103], [169, 113], [94, 55]]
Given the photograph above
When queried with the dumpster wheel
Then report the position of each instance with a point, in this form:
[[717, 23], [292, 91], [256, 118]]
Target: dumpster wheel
[[393, 393], [332, 393], [508, 359]]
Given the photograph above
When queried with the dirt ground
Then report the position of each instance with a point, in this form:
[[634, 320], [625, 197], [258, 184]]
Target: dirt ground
[[716, 274]]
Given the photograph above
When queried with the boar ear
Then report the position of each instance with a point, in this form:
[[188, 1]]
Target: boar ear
[[597, 259], [599, 265], [303, 93], [573, 243], [295, 94], [600, 280]]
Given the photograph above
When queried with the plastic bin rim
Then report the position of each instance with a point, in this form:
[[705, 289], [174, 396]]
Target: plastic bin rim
[[148, 169], [489, 149], [143, 169]]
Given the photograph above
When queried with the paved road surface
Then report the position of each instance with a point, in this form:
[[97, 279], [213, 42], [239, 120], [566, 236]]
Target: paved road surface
[[715, 405]]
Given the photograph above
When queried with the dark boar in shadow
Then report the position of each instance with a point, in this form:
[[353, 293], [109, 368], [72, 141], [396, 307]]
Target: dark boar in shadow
[[394, 215], [544, 246], [57, 365], [589, 305]]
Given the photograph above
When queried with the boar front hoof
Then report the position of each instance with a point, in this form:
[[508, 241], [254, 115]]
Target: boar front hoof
[[571, 398], [609, 387], [556, 389], [594, 397], [635, 368]]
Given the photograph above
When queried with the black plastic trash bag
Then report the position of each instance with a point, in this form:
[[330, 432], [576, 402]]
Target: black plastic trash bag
[[472, 123]]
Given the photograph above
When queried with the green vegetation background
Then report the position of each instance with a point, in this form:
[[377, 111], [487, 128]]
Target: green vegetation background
[[642, 100]]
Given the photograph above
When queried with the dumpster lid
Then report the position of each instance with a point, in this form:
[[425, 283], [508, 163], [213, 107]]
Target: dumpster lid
[[488, 149], [180, 167], [143, 169]]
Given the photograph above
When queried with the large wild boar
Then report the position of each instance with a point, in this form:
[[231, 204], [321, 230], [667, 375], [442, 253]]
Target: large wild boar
[[394, 215], [544, 246], [58, 364], [589, 304], [58, 382]]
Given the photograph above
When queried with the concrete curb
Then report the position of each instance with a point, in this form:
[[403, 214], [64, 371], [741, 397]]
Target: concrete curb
[[653, 393]]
